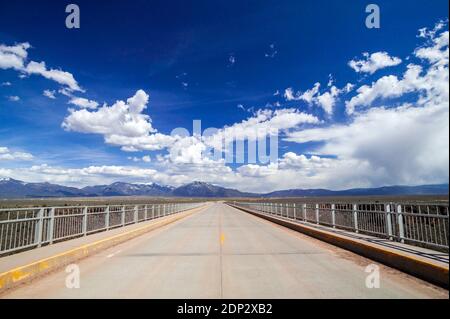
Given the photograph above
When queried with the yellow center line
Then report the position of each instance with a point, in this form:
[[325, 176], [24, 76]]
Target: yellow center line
[[222, 238]]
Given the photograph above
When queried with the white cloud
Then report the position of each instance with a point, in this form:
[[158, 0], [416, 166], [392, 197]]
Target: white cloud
[[83, 103], [13, 57], [264, 123], [374, 62], [7, 155], [121, 124], [50, 94], [326, 100], [14, 98], [427, 33], [438, 52], [306, 96], [272, 51], [59, 76], [404, 145], [122, 118], [6, 84], [231, 60], [432, 83], [146, 158], [289, 94]]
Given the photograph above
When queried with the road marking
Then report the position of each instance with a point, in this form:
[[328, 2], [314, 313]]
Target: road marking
[[113, 254], [222, 238]]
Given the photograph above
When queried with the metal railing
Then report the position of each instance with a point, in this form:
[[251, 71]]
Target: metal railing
[[24, 228], [421, 224]]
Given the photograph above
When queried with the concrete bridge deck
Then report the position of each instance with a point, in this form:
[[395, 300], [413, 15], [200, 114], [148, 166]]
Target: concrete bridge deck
[[222, 252]]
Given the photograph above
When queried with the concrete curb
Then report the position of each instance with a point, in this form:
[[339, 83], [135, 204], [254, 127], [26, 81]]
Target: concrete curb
[[426, 270], [19, 275]]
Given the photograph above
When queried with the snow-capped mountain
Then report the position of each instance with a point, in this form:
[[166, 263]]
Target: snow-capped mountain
[[11, 188]]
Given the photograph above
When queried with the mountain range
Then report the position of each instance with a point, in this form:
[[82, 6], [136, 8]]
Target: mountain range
[[11, 188]]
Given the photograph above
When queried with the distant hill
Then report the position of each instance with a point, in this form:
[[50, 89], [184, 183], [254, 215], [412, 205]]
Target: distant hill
[[11, 188], [127, 189], [200, 189], [440, 189]]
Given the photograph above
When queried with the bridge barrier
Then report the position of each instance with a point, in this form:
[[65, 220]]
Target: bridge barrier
[[421, 224], [27, 228]]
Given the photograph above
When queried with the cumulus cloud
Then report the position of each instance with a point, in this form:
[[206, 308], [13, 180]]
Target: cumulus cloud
[[327, 100], [83, 103], [13, 57], [122, 118], [6, 84], [122, 124], [263, 124], [374, 62], [432, 82], [399, 145], [7, 155]]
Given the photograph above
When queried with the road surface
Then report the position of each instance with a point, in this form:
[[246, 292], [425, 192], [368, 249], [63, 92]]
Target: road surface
[[221, 252]]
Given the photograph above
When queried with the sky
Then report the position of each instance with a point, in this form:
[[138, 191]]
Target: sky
[[349, 106]]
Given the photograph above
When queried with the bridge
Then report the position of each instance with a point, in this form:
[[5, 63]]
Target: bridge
[[226, 250]]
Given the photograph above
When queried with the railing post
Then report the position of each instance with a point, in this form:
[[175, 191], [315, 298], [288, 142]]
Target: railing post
[[387, 209], [123, 215], [304, 211], [295, 211], [51, 225], [136, 213], [401, 227], [85, 220], [107, 218], [317, 214], [333, 215], [39, 227], [146, 212], [355, 217], [153, 211]]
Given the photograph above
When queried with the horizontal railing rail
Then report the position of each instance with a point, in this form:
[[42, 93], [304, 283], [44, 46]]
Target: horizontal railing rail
[[421, 224], [25, 228]]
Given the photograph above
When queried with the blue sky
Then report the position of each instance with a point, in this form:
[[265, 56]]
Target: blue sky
[[221, 62]]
